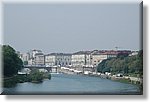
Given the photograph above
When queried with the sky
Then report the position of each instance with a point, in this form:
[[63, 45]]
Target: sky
[[71, 27]]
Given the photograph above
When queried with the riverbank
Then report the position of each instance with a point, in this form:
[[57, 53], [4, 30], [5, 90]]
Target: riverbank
[[122, 79], [12, 81], [74, 84]]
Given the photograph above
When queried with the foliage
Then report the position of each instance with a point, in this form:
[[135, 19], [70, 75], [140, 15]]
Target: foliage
[[123, 64], [36, 76], [25, 62], [12, 63]]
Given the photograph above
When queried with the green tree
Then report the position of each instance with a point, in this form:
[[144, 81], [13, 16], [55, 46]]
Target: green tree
[[25, 62], [12, 63], [36, 76], [101, 66], [106, 69], [123, 64]]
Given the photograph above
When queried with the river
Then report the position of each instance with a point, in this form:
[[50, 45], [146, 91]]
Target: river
[[73, 84]]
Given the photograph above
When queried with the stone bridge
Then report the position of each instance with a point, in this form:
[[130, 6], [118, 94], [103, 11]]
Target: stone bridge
[[49, 69]]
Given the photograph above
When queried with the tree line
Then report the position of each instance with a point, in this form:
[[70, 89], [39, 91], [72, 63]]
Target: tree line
[[127, 65], [11, 61], [12, 64]]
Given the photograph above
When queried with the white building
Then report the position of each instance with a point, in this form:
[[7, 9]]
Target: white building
[[39, 59], [81, 58], [35, 57], [50, 60], [58, 59], [25, 57], [30, 62], [98, 57], [35, 52], [63, 59]]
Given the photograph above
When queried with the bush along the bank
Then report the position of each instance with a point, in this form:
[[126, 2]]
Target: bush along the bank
[[127, 65], [35, 76]]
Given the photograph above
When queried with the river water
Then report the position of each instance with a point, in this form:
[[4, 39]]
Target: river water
[[73, 84]]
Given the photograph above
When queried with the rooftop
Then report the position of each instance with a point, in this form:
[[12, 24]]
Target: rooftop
[[64, 54]]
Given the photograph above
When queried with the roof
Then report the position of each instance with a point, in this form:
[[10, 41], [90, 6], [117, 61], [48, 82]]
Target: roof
[[82, 52], [39, 54], [55, 54], [37, 50], [111, 52]]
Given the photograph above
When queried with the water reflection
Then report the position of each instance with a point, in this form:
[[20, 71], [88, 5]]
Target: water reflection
[[73, 84]]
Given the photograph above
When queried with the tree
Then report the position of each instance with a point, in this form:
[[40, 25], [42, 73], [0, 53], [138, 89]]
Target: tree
[[36, 76], [12, 63], [106, 69], [123, 64], [101, 66], [25, 62]]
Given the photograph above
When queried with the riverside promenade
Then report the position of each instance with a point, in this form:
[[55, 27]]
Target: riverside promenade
[[133, 80]]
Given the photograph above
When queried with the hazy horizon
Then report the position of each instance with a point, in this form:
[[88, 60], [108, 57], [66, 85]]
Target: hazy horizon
[[72, 27]]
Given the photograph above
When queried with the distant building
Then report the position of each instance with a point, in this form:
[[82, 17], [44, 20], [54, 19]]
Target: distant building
[[30, 62], [77, 59], [58, 59], [50, 60], [39, 59], [99, 57], [63, 59], [25, 57], [81, 58], [33, 52], [35, 57]]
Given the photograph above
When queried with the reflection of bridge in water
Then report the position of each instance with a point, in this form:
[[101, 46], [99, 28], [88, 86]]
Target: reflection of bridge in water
[[49, 69]]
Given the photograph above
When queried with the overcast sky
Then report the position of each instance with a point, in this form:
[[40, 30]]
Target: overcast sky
[[71, 27]]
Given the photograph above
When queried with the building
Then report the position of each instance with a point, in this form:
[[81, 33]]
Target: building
[[39, 59], [50, 60], [34, 57], [58, 59], [81, 58], [25, 57], [33, 52], [98, 57], [30, 62], [63, 59]]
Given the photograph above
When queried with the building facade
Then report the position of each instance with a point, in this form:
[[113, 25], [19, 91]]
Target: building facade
[[81, 59], [25, 57], [50, 60], [63, 59], [58, 59], [39, 59], [36, 57], [98, 58]]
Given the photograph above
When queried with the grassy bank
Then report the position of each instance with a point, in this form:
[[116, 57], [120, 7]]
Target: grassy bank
[[128, 81]]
